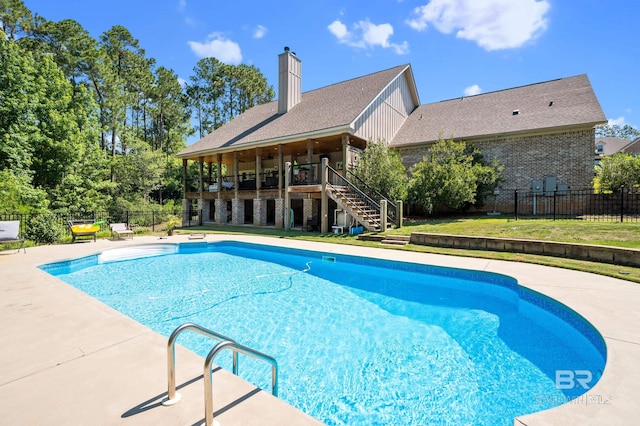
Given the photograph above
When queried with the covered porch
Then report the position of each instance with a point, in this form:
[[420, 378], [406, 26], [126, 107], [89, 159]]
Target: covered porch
[[248, 185]]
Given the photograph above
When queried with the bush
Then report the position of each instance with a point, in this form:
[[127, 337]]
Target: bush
[[452, 175], [43, 228]]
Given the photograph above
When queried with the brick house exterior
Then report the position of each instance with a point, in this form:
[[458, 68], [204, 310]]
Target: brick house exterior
[[536, 131], [566, 155]]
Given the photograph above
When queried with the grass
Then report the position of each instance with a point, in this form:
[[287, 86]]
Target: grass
[[611, 233], [625, 234]]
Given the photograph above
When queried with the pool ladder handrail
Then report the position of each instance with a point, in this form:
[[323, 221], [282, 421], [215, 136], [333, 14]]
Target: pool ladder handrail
[[225, 343], [208, 374]]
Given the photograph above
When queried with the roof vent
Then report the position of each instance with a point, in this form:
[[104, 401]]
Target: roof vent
[[515, 112], [551, 103]]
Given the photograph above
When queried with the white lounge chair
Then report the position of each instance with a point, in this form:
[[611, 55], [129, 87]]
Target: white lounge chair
[[121, 230], [10, 233]]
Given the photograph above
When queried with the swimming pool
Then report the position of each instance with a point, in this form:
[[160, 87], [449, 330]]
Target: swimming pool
[[358, 341]]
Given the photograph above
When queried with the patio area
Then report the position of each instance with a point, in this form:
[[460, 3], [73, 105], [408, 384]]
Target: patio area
[[66, 358]]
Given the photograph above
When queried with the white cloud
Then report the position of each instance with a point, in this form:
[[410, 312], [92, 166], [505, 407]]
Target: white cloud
[[260, 31], [182, 5], [472, 90], [620, 121], [224, 50], [366, 34], [182, 81], [492, 24], [339, 30]]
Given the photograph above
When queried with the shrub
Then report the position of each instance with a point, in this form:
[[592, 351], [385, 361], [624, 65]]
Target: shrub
[[43, 228]]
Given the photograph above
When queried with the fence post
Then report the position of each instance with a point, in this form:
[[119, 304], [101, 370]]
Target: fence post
[[127, 217], [515, 202], [555, 193], [622, 204]]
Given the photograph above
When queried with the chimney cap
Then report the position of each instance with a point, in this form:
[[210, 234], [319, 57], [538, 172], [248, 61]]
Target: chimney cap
[[286, 48]]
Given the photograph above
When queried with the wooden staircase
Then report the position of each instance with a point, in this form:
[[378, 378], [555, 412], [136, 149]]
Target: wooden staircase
[[351, 202]]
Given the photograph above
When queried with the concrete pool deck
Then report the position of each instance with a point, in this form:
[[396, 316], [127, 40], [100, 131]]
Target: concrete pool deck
[[66, 358]]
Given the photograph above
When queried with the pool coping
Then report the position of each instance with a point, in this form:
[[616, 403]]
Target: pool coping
[[59, 337]]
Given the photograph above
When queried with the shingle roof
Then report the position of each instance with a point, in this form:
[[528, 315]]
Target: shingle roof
[[611, 144], [633, 147], [330, 107], [553, 104]]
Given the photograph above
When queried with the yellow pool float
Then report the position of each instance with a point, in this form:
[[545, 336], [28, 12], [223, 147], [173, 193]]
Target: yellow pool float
[[85, 227]]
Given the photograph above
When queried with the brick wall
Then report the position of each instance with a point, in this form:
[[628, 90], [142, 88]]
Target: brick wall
[[568, 155]]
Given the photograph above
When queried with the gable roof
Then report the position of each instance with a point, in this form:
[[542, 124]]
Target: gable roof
[[322, 112], [611, 144], [633, 148], [554, 104]]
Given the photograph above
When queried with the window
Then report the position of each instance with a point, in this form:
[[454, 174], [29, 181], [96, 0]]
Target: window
[[600, 149]]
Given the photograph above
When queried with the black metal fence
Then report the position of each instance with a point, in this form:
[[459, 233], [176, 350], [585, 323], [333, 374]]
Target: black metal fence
[[585, 204], [152, 220]]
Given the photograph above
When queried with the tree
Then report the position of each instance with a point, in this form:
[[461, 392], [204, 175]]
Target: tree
[[219, 92], [15, 18], [450, 176], [625, 132], [617, 171], [382, 169]]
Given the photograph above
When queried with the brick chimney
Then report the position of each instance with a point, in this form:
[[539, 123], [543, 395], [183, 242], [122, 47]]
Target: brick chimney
[[289, 80]]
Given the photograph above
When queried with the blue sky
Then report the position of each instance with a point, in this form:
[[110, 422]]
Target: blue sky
[[455, 47]]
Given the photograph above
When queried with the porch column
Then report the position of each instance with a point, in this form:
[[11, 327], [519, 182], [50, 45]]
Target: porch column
[[280, 168], [200, 176], [221, 211], [345, 154], [237, 211], [307, 211], [279, 213], [287, 198], [236, 184], [324, 202], [209, 170], [186, 203], [258, 172], [219, 177], [201, 203], [259, 212], [310, 173]]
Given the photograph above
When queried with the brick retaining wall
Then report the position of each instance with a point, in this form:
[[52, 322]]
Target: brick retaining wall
[[594, 253]]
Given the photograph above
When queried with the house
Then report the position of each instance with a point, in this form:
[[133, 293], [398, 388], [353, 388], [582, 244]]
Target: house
[[633, 148], [536, 131], [609, 145]]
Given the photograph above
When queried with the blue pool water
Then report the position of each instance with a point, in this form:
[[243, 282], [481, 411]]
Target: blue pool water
[[358, 341]]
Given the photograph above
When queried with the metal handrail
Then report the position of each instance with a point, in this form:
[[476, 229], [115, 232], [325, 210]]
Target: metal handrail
[[353, 189], [374, 191], [208, 375], [172, 396]]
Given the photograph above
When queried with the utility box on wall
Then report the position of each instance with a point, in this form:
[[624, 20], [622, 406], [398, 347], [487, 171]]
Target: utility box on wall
[[550, 183], [536, 187]]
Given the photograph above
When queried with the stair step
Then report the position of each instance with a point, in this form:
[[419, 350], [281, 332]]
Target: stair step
[[396, 240]]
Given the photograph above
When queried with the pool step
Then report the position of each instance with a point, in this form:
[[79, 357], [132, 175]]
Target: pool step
[[396, 240]]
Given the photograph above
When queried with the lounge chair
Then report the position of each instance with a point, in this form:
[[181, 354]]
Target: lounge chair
[[121, 230], [83, 228], [10, 233], [197, 236]]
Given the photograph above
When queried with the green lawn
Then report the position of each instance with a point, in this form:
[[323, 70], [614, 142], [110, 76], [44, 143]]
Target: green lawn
[[626, 234], [605, 233]]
